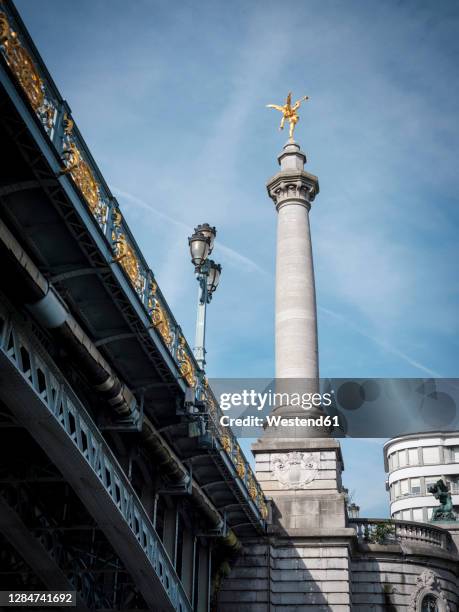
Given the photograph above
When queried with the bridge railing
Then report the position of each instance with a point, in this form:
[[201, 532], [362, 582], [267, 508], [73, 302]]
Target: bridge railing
[[54, 115], [230, 445], [387, 531]]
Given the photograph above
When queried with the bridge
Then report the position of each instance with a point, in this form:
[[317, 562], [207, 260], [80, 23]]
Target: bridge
[[117, 480]]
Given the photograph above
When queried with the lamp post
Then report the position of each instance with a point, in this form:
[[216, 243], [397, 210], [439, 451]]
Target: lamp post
[[353, 511], [207, 273]]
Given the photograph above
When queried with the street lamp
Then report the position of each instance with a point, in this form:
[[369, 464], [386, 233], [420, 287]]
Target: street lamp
[[208, 273], [353, 510]]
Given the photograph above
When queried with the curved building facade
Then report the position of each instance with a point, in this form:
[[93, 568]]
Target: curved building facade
[[414, 462]]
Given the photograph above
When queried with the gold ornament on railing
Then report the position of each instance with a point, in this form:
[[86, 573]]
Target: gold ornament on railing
[[20, 62], [158, 316], [125, 255], [240, 465], [186, 365], [68, 124], [226, 443], [25, 71], [251, 486], [263, 507], [81, 173]]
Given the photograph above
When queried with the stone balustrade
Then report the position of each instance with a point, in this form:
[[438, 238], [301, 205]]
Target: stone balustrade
[[387, 531]]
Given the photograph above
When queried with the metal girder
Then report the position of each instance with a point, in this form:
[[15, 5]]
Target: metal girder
[[41, 560], [37, 393], [43, 161]]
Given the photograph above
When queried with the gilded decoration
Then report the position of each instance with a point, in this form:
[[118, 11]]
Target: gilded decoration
[[25, 71], [81, 173], [125, 255], [158, 316], [252, 487], [186, 365], [263, 508], [226, 443], [289, 112], [240, 465]]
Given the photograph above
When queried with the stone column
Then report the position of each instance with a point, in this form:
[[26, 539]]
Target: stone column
[[292, 190], [297, 364], [305, 564]]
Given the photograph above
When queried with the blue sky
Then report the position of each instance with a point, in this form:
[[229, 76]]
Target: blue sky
[[171, 100]]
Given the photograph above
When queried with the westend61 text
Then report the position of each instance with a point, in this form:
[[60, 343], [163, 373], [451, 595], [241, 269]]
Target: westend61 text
[[278, 421]]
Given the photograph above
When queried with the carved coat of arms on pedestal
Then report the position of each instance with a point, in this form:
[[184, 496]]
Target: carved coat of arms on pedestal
[[294, 470]]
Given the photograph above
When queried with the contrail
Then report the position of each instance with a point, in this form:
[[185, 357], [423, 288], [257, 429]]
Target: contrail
[[230, 253], [246, 261], [385, 345]]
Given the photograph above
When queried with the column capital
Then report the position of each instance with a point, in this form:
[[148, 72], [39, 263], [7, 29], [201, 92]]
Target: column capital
[[293, 187]]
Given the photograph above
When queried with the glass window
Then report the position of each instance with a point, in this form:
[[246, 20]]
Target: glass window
[[404, 487], [406, 515], [394, 461], [431, 454], [397, 489], [417, 514], [415, 486], [413, 458], [456, 454], [429, 513], [429, 604], [402, 458]]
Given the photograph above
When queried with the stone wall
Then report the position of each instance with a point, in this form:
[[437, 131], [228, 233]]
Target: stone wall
[[388, 578], [285, 574], [337, 574]]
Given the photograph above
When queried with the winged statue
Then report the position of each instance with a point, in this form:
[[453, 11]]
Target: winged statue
[[289, 112]]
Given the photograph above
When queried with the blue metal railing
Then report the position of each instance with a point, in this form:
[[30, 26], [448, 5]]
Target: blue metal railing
[[43, 376]]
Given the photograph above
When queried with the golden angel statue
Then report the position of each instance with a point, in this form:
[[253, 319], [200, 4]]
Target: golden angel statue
[[289, 112]]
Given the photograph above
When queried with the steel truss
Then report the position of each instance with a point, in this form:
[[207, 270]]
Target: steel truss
[[59, 422]]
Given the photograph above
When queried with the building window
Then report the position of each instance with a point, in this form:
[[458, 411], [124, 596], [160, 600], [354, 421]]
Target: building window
[[402, 458], [404, 490], [406, 515], [418, 514], [397, 489], [429, 513], [394, 461], [455, 453], [429, 604], [413, 456], [431, 454], [415, 486]]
